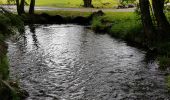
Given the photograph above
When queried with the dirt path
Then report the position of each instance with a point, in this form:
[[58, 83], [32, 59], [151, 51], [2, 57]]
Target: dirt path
[[40, 8]]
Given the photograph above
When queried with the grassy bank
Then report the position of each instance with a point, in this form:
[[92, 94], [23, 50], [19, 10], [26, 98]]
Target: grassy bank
[[124, 25], [9, 24], [65, 13], [128, 26]]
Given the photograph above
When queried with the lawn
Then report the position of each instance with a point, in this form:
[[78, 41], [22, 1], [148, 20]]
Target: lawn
[[73, 3]]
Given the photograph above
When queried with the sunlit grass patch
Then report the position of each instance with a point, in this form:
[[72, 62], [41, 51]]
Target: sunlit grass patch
[[72, 3], [124, 25]]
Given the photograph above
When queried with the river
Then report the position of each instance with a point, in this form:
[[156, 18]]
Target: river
[[71, 62]]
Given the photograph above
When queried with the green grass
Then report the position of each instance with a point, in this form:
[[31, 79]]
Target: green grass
[[73, 3], [168, 81], [164, 62], [123, 25], [4, 70]]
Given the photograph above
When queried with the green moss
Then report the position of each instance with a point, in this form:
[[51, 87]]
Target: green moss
[[164, 62], [168, 81], [4, 67]]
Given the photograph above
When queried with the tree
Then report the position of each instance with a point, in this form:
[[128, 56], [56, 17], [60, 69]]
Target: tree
[[18, 7], [32, 5], [162, 22], [22, 4], [87, 3], [146, 18]]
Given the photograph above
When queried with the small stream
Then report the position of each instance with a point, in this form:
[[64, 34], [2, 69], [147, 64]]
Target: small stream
[[71, 62]]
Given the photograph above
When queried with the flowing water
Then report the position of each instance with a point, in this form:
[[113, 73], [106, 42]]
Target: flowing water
[[71, 62]]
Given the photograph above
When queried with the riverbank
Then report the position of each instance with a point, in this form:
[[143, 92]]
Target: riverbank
[[9, 89], [128, 27]]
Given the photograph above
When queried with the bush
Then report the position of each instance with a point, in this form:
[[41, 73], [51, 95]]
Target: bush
[[10, 23], [97, 24], [5, 23]]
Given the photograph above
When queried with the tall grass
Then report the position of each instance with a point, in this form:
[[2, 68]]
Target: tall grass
[[97, 24]]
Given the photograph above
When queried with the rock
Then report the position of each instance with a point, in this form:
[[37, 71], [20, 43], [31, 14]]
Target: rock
[[56, 19], [13, 84], [131, 5], [80, 20], [45, 15], [121, 7], [98, 13], [23, 94]]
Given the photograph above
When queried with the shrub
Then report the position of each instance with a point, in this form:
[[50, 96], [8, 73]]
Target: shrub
[[10, 23], [97, 24]]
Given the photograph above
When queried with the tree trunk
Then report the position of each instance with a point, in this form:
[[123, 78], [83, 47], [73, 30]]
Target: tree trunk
[[22, 4], [32, 5], [18, 7], [161, 19], [146, 18], [87, 3]]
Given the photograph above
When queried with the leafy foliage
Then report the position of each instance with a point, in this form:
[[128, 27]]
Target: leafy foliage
[[10, 23], [126, 1]]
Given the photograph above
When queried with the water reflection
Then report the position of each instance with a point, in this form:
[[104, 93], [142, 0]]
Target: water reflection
[[70, 62], [34, 37]]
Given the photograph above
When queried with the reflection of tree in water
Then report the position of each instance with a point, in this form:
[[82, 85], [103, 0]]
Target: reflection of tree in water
[[22, 44], [34, 36]]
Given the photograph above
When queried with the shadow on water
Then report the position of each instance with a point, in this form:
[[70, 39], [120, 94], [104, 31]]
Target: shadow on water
[[150, 55], [34, 36]]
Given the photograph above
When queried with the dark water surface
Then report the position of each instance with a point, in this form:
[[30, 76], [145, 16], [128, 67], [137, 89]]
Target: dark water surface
[[70, 62]]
